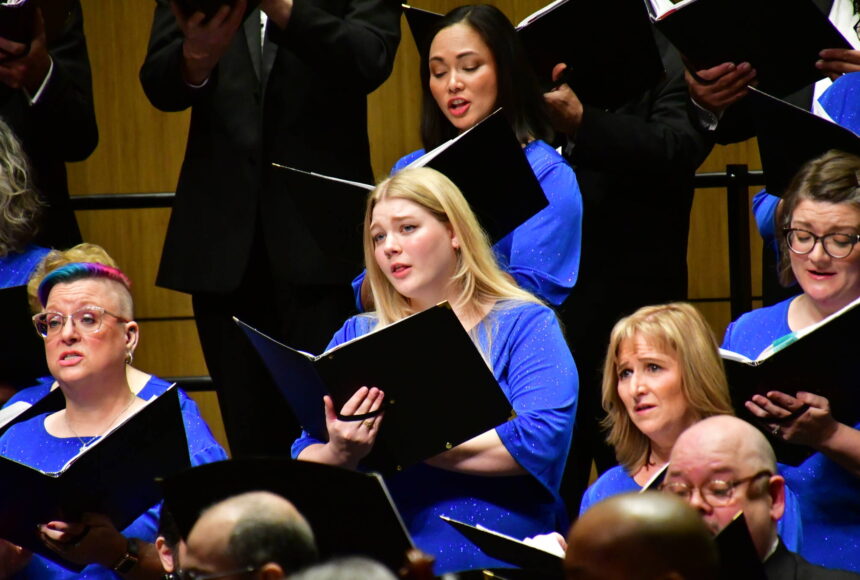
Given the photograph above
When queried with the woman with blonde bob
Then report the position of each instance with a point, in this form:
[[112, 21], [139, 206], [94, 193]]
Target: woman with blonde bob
[[662, 374], [422, 246]]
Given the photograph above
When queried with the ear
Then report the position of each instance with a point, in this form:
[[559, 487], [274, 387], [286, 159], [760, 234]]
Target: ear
[[455, 243], [271, 571], [776, 490], [165, 554], [132, 335]]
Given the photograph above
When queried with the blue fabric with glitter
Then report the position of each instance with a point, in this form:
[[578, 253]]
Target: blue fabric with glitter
[[829, 496], [16, 268], [542, 254], [29, 443], [535, 369]]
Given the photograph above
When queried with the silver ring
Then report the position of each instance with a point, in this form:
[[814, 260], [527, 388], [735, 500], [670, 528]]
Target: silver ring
[[775, 431]]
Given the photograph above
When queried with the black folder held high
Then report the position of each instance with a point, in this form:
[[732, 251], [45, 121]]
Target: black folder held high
[[486, 163], [351, 513], [22, 352], [788, 137], [114, 476], [780, 38], [820, 359], [439, 391], [608, 46]]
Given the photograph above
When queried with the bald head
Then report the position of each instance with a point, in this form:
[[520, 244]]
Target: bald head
[[729, 449], [647, 536], [259, 530]]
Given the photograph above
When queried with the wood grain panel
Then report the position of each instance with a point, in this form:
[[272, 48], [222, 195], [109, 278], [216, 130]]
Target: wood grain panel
[[140, 149], [134, 239]]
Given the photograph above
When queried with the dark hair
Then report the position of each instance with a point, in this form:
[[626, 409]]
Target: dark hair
[[832, 178], [258, 539], [518, 92]]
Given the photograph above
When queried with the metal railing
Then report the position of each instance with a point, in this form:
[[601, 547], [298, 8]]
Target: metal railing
[[737, 179]]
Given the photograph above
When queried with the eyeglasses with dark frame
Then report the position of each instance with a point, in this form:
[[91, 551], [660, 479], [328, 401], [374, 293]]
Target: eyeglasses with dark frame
[[836, 245], [717, 492], [88, 320], [192, 575]]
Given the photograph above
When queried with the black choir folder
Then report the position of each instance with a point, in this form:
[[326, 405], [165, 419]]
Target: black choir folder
[[821, 359], [489, 167], [439, 391], [780, 38], [738, 557], [22, 352], [608, 46], [114, 476], [17, 21], [788, 137], [540, 563], [350, 512]]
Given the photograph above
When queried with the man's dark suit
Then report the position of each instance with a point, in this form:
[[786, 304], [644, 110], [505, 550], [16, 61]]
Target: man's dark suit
[[60, 127], [635, 168], [785, 565], [245, 238]]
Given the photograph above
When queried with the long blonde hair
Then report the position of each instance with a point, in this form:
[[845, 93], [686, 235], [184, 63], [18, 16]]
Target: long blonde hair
[[478, 278], [679, 330]]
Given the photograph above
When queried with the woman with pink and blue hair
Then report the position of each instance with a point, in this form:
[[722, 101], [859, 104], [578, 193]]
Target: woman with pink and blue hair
[[90, 336]]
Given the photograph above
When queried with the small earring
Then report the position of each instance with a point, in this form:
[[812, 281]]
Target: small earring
[[129, 357]]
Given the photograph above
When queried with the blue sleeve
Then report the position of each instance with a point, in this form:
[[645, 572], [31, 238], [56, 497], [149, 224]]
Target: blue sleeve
[[764, 207], [610, 483], [356, 289], [202, 446], [542, 386], [790, 526], [543, 253]]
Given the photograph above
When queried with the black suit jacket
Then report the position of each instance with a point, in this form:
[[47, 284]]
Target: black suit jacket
[[302, 105], [60, 127], [785, 565]]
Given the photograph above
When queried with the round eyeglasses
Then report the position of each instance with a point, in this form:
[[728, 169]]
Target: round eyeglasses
[[717, 493], [836, 245], [88, 320]]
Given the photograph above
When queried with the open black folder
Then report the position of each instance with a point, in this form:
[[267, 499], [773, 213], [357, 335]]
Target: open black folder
[[114, 476], [738, 557], [608, 46], [788, 137], [488, 165], [350, 512], [439, 391], [22, 352], [820, 359], [780, 38]]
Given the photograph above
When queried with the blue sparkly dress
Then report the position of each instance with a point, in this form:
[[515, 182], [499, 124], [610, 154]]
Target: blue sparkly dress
[[616, 481], [29, 443], [535, 369], [829, 496], [16, 268], [542, 254]]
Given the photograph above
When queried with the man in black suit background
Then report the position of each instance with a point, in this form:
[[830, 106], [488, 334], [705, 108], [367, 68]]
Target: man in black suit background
[[284, 82], [46, 97], [635, 167]]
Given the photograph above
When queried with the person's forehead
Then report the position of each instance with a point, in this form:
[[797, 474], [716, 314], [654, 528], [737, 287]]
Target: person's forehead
[[691, 460], [98, 291]]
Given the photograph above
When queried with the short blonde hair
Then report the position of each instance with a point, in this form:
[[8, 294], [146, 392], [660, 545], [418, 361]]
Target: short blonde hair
[[677, 329], [85, 252], [478, 278]]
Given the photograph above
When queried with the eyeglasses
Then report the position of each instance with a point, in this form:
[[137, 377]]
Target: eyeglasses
[[192, 575], [717, 493], [836, 245], [87, 320]]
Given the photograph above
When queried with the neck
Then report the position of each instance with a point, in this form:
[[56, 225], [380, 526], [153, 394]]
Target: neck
[[92, 409], [809, 311]]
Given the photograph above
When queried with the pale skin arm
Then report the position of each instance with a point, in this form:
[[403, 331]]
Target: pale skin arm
[[814, 427], [481, 455], [348, 441], [94, 540]]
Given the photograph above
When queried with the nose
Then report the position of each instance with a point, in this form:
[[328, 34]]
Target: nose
[[69, 332], [391, 246], [697, 501], [818, 254], [455, 83]]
